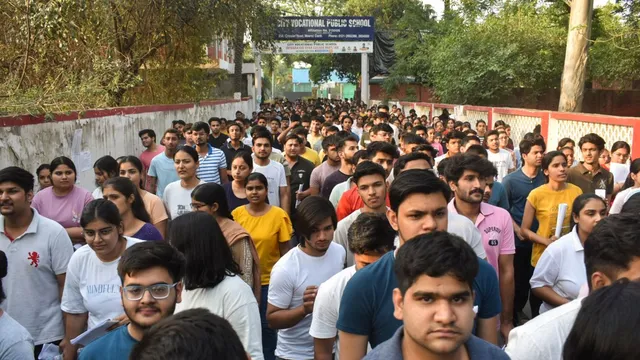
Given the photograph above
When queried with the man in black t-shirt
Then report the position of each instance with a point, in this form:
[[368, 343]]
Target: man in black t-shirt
[[216, 138]]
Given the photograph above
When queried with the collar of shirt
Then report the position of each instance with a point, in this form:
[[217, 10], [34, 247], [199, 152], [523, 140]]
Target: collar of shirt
[[32, 229], [486, 210], [208, 153], [575, 239], [585, 171]]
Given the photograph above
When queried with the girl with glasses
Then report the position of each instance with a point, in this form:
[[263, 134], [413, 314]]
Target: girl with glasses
[[92, 286]]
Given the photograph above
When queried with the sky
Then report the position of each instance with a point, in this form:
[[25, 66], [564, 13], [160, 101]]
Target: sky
[[438, 5]]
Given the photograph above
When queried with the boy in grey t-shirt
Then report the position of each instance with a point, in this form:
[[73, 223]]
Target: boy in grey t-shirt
[[15, 341]]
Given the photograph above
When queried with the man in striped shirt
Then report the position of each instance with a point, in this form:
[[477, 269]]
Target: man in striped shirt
[[213, 164]]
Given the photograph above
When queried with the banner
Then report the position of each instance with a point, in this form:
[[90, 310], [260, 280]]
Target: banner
[[327, 28], [321, 47]]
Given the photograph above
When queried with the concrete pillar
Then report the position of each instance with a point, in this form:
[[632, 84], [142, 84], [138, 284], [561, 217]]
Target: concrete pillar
[[364, 78]]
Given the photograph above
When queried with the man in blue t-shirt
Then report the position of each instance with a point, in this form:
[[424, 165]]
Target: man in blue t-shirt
[[518, 185], [150, 273], [418, 202], [434, 300]]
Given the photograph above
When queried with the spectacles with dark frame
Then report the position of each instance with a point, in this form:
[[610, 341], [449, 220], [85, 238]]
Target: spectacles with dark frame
[[157, 291], [103, 233], [196, 206]]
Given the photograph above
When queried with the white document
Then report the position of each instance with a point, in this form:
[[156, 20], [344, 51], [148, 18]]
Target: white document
[[619, 171], [562, 212], [95, 332], [299, 190]]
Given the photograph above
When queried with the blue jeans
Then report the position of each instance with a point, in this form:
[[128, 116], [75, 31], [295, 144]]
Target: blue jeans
[[269, 336]]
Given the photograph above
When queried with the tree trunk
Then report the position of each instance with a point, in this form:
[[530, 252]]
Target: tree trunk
[[575, 61], [238, 50]]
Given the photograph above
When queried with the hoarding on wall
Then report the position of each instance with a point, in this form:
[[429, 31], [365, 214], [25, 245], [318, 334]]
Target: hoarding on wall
[[326, 28], [322, 47]]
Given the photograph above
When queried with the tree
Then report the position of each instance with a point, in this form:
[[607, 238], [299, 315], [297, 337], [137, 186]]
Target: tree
[[575, 62]]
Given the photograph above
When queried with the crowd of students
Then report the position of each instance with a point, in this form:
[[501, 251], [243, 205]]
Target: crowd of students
[[322, 230]]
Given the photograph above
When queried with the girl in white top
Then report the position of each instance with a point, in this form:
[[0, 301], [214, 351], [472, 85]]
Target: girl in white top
[[560, 272], [92, 286], [104, 169], [177, 195], [631, 186], [212, 278]]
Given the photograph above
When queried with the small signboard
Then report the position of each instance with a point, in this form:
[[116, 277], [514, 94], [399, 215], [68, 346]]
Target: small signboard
[[326, 28], [322, 47]]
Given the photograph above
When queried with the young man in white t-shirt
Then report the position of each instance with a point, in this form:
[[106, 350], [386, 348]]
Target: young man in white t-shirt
[[274, 172], [296, 276], [38, 251], [500, 158], [369, 237]]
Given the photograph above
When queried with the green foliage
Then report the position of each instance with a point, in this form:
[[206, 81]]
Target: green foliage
[[615, 51], [69, 54]]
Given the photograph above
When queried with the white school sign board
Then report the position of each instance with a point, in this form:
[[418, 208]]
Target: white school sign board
[[322, 47]]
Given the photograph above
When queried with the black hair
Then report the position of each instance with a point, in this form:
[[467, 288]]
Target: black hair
[[191, 151], [257, 176], [135, 162], [418, 128], [526, 145], [632, 205], [212, 193], [343, 141], [232, 124], [381, 127], [580, 202], [190, 334], [310, 213], [107, 164], [499, 123], [292, 137], [594, 139], [371, 233], [478, 150], [262, 135], [606, 325], [148, 254], [42, 167], [208, 256], [212, 119], [470, 138], [455, 135], [612, 245], [150, 132], [564, 141], [384, 147], [170, 131], [480, 121], [329, 141], [458, 164], [4, 265], [548, 158], [367, 168], [258, 128], [63, 160], [125, 187], [428, 148], [416, 181], [407, 158], [244, 155], [276, 120], [360, 155], [634, 168], [442, 166], [411, 138], [181, 122], [20, 176], [491, 133], [435, 254], [621, 145], [201, 125], [101, 209]]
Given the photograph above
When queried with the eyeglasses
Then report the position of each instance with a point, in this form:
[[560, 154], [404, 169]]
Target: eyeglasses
[[195, 206], [157, 291], [103, 233]]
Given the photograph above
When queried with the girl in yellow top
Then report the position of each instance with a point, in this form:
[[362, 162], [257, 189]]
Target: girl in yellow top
[[270, 228], [542, 203]]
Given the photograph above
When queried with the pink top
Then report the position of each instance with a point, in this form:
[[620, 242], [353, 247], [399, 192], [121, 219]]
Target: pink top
[[496, 229], [438, 147], [65, 210]]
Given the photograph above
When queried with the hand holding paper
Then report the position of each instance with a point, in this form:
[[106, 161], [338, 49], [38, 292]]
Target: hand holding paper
[[562, 212]]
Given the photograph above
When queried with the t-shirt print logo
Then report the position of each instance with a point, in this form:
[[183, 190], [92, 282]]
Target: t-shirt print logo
[[493, 242], [35, 258], [182, 209]]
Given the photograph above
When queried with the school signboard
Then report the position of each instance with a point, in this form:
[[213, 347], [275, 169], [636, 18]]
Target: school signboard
[[326, 28]]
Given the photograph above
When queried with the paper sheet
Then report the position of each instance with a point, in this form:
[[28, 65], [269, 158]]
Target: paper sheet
[[76, 143], [562, 212], [299, 190], [92, 334], [619, 171]]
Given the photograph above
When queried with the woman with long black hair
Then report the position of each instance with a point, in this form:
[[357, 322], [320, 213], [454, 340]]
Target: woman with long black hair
[[212, 278]]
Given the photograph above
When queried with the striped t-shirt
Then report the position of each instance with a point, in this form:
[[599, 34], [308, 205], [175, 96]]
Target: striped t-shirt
[[210, 165]]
